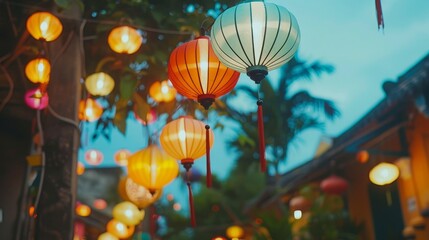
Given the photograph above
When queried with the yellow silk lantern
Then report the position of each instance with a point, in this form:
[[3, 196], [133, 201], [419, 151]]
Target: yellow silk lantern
[[90, 110], [99, 84], [140, 195], [107, 236], [152, 168], [124, 39], [44, 26], [83, 210], [128, 213], [162, 92], [234, 232], [119, 229], [384, 173], [38, 70]]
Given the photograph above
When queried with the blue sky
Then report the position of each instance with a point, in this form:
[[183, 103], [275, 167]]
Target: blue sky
[[339, 32]]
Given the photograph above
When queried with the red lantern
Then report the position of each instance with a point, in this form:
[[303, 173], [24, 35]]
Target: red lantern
[[334, 185], [299, 203]]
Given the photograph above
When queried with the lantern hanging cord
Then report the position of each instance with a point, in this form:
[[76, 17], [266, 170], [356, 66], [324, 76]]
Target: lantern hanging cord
[[11, 87], [66, 120], [42, 170], [261, 133], [208, 167]]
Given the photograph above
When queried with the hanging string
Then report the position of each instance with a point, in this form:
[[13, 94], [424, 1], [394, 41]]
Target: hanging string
[[152, 222], [261, 134], [209, 171], [380, 19], [191, 198]]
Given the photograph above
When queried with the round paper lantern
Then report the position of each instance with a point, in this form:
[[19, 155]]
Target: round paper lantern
[[99, 84], [128, 213], [150, 117], [107, 236], [119, 229], [80, 168], [34, 98], [90, 110], [299, 203], [83, 210], [162, 92], [121, 157], [44, 26], [38, 70], [255, 37], [124, 39], [334, 185], [94, 157], [99, 204], [234, 232], [384, 173], [196, 72], [152, 168], [140, 195]]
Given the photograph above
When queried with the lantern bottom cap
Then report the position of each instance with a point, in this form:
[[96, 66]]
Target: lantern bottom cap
[[257, 73], [206, 100]]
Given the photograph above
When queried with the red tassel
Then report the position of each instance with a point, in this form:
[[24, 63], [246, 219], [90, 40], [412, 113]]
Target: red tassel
[[152, 222], [209, 171], [191, 205], [261, 137], [380, 20]]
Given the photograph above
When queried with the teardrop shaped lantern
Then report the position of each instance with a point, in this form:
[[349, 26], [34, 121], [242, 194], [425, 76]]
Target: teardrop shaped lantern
[[152, 168], [140, 195], [162, 92], [255, 37], [121, 157], [119, 229], [90, 110], [34, 98], [38, 70], [44, 26], [334, 185], [124, 39], [99, 84]]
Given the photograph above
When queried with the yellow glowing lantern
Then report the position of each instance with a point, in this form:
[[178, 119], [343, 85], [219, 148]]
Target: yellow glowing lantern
[[99, 84], [128, 213], [44, 26], [119, 229], [80, 169], [162, 91], [90, 110], [234, 232], [107, 236], [140, 195], [152, 168], [121, 157], [384, 173], [94, 157], [124, 39], [83, 210], [38, 70]]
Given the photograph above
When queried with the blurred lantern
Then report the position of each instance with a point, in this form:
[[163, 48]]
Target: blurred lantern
[[177, 207], [128, 213], [83, 210], [90, 110], [196, 73], [384, 173], [194, 175], [334, 185], [107, 236], [80, 168], [119, 229], [162, 91], [219, 238], [297, 214], [170, 197], [152, 168], [185, 139], [234, 232], [362, 156], [121, 157], [150, 117], [34, 98], [99, 84], [255, 37], [140, 195], [31, 211], [125, 40], [44, 26], [38, 70], [99, 204], [299, 203], [94, 157]]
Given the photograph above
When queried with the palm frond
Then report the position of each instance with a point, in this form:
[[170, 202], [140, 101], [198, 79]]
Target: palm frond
[[303, 100]]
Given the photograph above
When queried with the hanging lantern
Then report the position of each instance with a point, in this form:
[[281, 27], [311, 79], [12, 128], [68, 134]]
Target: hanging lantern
[[121, 157], [150, 117], [94, 157], [299, 203], [38, 70], [99, 204], [125, 40], [34, 98], [80, 168], [334, 185], [162, 92], [107, 236], [128, 213], [140, 195], [99, 84], [384, 173], [152, 168], [44, 26], [362, 156], [119, 229], [83, 210], [234, 232], [90, 110]]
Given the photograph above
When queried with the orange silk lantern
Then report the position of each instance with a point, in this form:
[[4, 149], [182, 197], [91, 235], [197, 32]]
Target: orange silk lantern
[[125, 40], [38, 70], [162, 92], [83, 210], [119, 229], [90, 110], [140, 195], [44, 26], [121, 157], [152, 168]]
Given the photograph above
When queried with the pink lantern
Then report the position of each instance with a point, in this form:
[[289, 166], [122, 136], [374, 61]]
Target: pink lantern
[[94, 157], [334, 185], [34, 98]]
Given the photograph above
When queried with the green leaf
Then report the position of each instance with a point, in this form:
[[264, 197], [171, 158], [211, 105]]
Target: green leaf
[[121, 115], [141, 107], [127, 87]]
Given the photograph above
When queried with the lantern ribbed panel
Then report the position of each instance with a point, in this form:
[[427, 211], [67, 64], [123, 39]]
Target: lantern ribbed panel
[[255, 34], [152, 168], [195, 70], [38, 70], [124, 40], [185, 138], [99, 84], [44, 26]]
